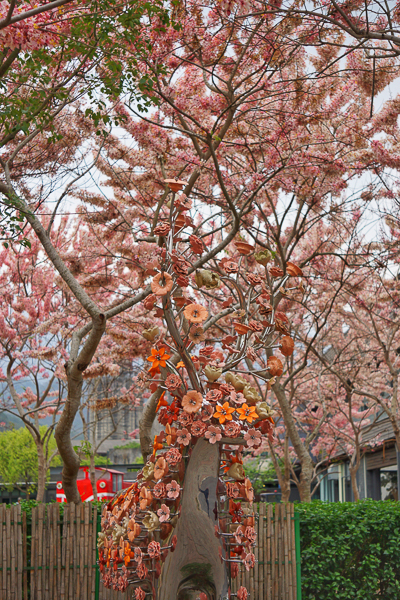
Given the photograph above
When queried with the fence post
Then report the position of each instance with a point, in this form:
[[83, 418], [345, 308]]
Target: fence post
[[97, 516], [298, 557]]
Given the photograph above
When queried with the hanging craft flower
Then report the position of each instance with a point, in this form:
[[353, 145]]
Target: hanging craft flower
[[160, 468], [240, 533], [232, 429], [175, 184], [192, 401], [206, 412], [159, 490], [162, 284], [241, 328], [137, 555], [232, 490], [140, 594], [158, 358], [151, 521], [253, 438], [173, 489], [142, 571], [247, 413], [275, 272], [247, 490], [185, 419], [198, 428], [235, 510], [173, 382], [236, 471], [213, 434], [173, 457], [154, 550], [244, 247], [287, 345], [163, 513], [162, 229], [183, 437], [275, 366], [249, 561], [151, 334], [213, 396], [293, 270], [250, 534], [223, 413], [196, 335], [242, 593], [145, 498], [195, 313], [212, 373]]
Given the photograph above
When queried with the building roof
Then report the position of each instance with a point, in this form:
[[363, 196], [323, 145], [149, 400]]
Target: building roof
[[382, 427]]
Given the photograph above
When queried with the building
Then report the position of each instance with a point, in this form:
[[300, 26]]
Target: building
[[378, 475]]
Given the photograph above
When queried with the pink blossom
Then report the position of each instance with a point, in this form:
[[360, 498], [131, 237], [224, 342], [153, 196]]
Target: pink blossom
[[173, 489], [253, 437], [213, 434], [183, 437], [163, 513], [242, 593]]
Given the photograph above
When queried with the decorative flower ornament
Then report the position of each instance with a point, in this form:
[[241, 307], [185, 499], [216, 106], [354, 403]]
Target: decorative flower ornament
[[161, 284]]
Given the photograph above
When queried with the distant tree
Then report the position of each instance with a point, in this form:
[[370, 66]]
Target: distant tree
[[19, 466]]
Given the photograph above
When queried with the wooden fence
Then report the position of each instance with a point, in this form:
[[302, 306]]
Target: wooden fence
[[47, 557], [276, 575]]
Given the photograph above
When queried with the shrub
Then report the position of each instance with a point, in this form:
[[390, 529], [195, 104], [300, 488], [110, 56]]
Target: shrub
[[350, 551]]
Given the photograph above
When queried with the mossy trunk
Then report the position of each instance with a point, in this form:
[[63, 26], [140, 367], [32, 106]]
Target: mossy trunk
[[196, 565]]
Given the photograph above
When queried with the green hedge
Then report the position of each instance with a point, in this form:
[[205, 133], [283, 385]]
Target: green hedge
[[350, 551]]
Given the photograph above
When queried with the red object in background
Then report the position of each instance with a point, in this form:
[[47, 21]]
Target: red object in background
[[108, 483]]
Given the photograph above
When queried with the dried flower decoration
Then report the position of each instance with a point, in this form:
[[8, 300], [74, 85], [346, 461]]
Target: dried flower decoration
[[162, 229], [151, 334], [275, 366], [287, 345], [162, 284], [244, 247], [175, 184], [158, 358], [195, 313], [192, 401], [275, 272], [293, 270], [196, 335]]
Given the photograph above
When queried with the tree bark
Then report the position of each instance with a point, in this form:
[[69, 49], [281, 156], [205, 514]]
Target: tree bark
[[92, 475], [63, 438], [354, 486], [42, 471], [304, 457], [195, 566]]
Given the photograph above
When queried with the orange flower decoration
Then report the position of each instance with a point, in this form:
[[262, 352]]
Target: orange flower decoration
[[241, 328], [223, 413], [162, 284], [287, 345], [244, 247], [275, 366], [247, 413], [180, 365], [158, 358], [195, 313], [192, 402], [171, 434], [160, 468], [293, 270], [161, 402]]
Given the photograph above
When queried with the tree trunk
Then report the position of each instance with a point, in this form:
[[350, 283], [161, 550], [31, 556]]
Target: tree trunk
[[63, 438], [307, 467], [195, 566], [42, 471], [92, 475], [354, 486]]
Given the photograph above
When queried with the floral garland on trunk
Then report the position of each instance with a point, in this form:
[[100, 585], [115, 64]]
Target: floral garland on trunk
[[208, 394]]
